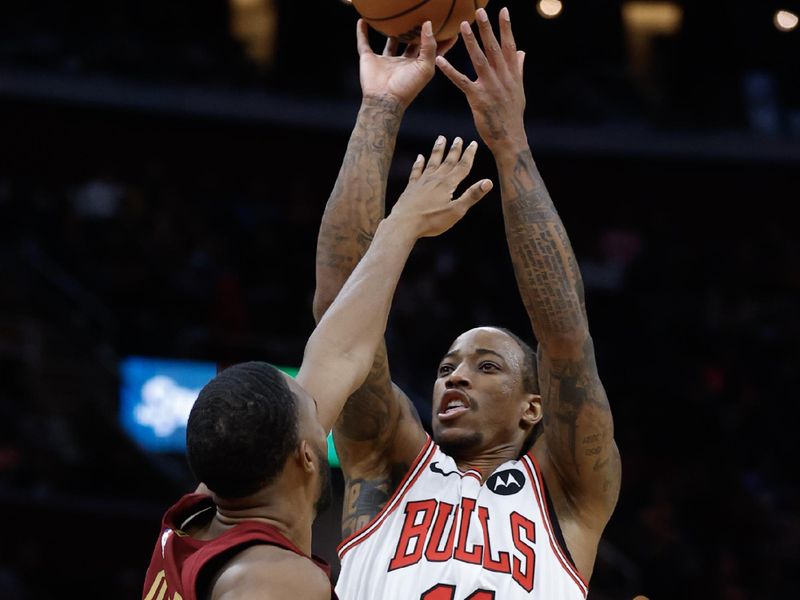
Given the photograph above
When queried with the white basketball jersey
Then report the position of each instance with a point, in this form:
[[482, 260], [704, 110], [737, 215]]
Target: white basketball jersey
[[446, 536]]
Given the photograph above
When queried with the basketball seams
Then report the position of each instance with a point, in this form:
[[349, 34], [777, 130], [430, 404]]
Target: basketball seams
[[447, 18], [400, 14], [408, 15]]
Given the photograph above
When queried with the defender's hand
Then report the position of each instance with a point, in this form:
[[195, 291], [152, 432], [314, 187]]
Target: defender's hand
[[401, 76], [497, 96], [427, 202]]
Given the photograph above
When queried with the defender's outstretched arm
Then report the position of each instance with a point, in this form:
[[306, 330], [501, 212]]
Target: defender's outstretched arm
[[341, 348]]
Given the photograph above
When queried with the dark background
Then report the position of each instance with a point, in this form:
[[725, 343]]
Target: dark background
[[161, 188]]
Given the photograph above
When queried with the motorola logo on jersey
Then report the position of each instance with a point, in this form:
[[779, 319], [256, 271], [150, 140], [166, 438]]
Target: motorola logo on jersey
[[506, 483]]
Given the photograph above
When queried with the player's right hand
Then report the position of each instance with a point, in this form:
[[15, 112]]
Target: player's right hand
[[427, 202], [402, 76], [497, 96]]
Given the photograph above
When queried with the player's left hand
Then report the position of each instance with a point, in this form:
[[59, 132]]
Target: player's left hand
[[497, 96], [427, 203], [400, 75]]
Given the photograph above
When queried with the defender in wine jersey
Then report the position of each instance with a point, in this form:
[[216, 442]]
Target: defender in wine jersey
[[446, 534], [254, 434], [525, 439], [183, 566]]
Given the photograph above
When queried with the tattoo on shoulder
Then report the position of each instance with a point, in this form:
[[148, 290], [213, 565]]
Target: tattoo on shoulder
[[570, 387], [363, 500], [365, 415], [368, 412]]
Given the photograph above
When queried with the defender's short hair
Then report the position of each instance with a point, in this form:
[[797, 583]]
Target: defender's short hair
[[242, 429]]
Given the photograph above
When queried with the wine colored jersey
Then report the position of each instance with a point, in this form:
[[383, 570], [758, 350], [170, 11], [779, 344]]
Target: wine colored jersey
[[182, 567], [445, 535]]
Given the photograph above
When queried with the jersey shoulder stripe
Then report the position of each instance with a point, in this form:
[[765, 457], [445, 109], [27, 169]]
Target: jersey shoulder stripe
[[532, 467], [417, 467]]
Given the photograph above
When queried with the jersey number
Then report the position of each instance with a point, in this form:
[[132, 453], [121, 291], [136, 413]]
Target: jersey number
[[159, 588], [443, 591]]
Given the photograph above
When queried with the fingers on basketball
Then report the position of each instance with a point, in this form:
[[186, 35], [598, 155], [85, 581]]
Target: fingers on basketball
[[404, 18], [362, 39]]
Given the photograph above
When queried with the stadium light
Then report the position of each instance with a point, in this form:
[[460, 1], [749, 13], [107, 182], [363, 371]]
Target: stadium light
[[549, 9], [652, 16], [785, 20]]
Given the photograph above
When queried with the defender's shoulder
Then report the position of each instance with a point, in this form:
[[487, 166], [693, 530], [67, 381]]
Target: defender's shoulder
[[265, 572]]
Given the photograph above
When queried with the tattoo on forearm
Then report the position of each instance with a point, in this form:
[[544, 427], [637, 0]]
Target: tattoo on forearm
[[363, 500], [577, 417], [544, 263], [356, 204]]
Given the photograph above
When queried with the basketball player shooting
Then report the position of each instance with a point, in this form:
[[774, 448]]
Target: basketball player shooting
[[511, 496]]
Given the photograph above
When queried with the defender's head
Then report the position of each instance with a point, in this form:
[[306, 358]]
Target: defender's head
[[486, 394], [249, 425]]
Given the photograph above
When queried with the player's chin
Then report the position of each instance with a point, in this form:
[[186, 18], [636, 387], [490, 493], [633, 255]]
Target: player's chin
[[455, 440]]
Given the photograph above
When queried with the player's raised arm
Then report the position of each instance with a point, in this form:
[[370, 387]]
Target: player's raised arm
[[389, 84], [379, 412], [340, 351], [577, 451]]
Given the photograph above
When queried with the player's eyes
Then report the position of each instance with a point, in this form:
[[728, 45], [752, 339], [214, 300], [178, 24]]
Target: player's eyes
[[445, 370]]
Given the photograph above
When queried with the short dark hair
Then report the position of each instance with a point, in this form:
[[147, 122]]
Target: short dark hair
[[241, 429], [530, 368], [530, 381]]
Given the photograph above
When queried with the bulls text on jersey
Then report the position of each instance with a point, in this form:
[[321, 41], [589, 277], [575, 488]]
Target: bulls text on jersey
[[426, 533]]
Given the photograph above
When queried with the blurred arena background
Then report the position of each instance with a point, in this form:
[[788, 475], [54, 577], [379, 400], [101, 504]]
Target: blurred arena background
[[163, 170]]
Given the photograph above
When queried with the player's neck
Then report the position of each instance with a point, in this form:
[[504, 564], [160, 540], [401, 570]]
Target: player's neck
[[486, 461], [277, 508]]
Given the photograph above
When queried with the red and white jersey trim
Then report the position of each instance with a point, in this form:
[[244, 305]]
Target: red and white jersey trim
[[538, 489], [419, 465]]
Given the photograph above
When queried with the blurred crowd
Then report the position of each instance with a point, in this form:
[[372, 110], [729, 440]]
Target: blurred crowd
[[711, 65]]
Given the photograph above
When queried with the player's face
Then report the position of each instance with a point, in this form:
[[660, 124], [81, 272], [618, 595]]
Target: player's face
[[478, 397], [310, 429]]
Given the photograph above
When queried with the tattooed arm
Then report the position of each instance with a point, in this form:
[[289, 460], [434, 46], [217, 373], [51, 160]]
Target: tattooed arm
[[341, 348], [379, 433], [577, 452]]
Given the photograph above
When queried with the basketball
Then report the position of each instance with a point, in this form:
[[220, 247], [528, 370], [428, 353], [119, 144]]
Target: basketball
[[404, 18]]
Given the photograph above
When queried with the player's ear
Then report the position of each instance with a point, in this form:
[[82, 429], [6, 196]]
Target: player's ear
[[305, 456], [533, 409]]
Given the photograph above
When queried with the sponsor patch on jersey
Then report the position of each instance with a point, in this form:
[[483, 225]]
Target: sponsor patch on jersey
[[506, 483]]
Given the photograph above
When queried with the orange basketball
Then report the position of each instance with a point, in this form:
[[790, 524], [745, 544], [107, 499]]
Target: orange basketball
[[404, 18]]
